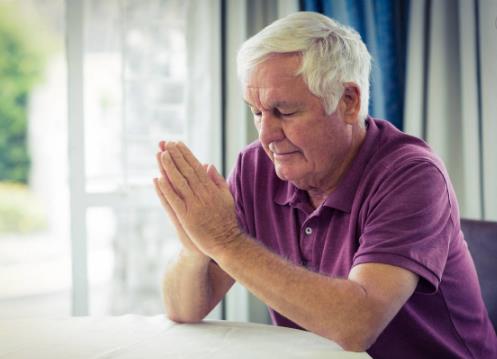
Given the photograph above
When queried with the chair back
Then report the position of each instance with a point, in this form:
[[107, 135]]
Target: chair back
[[481, 237]]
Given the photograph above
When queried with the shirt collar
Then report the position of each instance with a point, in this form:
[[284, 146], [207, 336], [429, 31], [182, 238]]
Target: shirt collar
[[343, 196]]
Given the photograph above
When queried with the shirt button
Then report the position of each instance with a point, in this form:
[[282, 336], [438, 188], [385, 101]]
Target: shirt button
[[308, 231]]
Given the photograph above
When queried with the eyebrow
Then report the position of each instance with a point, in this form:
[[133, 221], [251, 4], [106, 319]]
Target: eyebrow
[[248, 103], [279, 104]]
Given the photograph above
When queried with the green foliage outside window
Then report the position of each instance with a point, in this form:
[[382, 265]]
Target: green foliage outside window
[[20, 210], [21, 66]]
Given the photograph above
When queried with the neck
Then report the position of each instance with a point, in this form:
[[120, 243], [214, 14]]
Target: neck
[[318, 195]]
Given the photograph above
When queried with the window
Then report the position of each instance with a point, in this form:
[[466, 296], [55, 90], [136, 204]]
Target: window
[[135, 92], [34, 222], [132, 79]]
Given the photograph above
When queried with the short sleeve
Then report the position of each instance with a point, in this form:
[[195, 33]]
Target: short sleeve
[[408, 223]]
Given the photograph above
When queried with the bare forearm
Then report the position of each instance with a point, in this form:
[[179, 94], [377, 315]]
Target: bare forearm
[[333, 308], [186, 289], [351, 311], [193, 286]]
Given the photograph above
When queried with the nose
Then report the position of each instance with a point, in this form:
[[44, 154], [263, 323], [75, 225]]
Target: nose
[[270, 129]]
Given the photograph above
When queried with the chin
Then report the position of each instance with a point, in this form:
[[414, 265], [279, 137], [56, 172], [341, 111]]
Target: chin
[[288, 176]]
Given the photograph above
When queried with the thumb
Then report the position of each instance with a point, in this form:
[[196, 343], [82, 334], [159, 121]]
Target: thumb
[[215, 176]]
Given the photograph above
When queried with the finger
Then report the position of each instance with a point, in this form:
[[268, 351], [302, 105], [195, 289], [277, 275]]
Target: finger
[[206, 169], [163, 200], [183, 237], [166, 205], [183, 166], [159, 163], [209, 172], [175, 179], [162, 147], [173, 199], [189, 156], [194, 163], [216, 177]]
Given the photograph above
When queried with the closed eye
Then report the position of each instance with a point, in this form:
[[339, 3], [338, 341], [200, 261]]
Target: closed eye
[[285, 114], [254, 111]]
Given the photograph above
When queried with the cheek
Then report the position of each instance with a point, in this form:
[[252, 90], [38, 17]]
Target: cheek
[[299, 136], [307, 141], [318, 149]]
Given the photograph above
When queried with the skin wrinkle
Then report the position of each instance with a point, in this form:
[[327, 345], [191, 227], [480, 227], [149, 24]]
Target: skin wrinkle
[[351, 311], [314, 136]]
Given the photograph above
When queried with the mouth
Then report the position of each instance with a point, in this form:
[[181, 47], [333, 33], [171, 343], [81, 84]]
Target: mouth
[[283, 155]]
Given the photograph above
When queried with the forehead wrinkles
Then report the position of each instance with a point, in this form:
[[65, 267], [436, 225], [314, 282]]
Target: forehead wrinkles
[[265, 97], [252, 97], [272, 81]]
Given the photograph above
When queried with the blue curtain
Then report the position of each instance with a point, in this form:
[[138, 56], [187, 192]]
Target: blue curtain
[[383, 27]]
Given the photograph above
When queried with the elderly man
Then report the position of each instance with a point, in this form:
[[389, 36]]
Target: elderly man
[[340, 223]]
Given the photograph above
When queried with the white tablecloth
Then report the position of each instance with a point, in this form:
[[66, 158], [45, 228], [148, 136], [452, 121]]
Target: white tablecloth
[[132, 336]]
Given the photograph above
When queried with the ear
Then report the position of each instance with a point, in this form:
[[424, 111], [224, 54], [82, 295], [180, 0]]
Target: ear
[[350, 103]]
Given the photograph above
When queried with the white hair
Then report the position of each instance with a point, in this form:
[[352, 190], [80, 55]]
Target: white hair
[[332, 54]]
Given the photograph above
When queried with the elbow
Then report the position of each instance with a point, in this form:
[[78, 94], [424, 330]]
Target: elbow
[[182, 316], [355, 344], [359, 340], [360, 334], [183, 319]]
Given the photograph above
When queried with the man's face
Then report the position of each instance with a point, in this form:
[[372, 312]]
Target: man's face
[[307, 146]]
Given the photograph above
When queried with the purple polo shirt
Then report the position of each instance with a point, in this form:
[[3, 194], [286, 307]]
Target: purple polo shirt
[[394, 205]]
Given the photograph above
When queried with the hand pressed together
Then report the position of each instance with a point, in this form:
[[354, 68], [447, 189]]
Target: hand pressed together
[[197, 199]]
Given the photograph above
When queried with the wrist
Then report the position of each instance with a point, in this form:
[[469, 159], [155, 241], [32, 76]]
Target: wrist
[[230, 247]]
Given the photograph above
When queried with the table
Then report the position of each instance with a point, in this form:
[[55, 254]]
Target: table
[[133, 336]]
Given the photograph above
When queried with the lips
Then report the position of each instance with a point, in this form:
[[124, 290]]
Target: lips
[[281, 153], [284, 153], [281, 156]]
